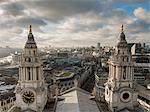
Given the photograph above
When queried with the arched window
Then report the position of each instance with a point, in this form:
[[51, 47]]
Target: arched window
[[127, 59], [2, 103], [123, 59], [34, 52], [29, 59]]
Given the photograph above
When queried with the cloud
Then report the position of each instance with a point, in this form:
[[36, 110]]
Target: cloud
[[85, 30], [101, 20], [12, 8], [58, 9], [71, 22], [142, 14], [26, 21], [9, 36]]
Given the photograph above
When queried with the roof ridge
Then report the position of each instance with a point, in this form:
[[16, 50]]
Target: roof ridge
[[76, 88]]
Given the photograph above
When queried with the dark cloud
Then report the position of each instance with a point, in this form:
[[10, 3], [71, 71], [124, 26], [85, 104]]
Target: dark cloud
[[13, 8], [58, 9], [26, 21], [139, 26], [23, 23]]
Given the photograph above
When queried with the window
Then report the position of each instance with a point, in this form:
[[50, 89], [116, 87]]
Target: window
[[29, 73], [34, 52], [107, 91], [123, 58], [125, 96], [124, 73], [29, 59], [37, 73], [127, 59], [114, 70], [2, 103]]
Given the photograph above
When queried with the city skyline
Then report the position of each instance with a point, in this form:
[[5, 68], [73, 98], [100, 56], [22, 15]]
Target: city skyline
[[67, 23], [77, 80]]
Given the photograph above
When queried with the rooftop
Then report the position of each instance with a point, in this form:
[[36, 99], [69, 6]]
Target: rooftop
[[76, 100], [7, 96]]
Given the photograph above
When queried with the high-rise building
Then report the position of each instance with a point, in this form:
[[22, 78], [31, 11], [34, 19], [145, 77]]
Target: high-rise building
[[98, 45]]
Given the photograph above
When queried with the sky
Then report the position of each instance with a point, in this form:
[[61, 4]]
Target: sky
[[68, 23]]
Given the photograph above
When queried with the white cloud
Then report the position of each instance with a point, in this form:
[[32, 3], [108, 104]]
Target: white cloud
[[142, 14]]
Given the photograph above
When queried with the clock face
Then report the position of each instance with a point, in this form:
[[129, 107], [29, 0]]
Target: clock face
[[126, 96], [28, 97]]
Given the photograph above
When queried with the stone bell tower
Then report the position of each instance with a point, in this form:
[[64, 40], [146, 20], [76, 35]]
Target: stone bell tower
[[31, 90], [119, 89]]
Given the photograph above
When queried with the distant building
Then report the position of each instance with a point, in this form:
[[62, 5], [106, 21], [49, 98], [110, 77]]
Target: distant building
[[98, 45], [101, 77], [7, 101], [63, 54], [139, 48], [141, 59]]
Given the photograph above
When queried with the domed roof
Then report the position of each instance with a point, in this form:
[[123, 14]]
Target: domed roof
[[30, 42], [122, 36], [122, 39]]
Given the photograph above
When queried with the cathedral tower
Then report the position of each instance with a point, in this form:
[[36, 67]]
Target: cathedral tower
[[119, 89], [31, 90]]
